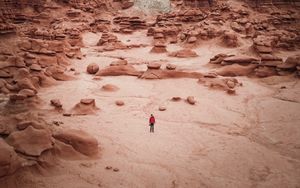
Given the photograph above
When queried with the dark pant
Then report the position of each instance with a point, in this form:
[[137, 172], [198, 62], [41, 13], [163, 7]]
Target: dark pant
[[151, 127]]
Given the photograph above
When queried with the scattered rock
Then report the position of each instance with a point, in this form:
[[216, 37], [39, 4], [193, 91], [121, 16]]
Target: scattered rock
[[116, 170]]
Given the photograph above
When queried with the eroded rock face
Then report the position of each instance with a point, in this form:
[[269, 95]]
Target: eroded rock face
[[80, 140], [9, 160], [30, 141]]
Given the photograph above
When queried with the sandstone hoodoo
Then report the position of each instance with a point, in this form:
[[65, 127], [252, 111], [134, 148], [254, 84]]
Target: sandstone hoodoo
[[82, 82], [85, 107], [159, 47]]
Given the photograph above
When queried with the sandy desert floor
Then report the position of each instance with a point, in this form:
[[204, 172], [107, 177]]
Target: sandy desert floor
[[247, 140]]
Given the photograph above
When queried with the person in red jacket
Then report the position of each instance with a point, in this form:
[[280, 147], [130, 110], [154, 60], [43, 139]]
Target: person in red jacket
[[151, 123]]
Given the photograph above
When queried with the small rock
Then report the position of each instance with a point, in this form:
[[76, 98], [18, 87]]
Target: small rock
[[67, 114], [120, 103], [108, 167], [191, 100], [176, 98], [162, 108], [116, 170], [87, 101]]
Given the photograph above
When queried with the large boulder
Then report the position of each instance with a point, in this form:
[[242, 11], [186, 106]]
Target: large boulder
[[30, 141], [80, 140]]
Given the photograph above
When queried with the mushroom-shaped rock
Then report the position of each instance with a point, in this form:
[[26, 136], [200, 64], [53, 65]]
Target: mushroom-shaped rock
[[159, 47], [191, 100], [119, 103], [92, 68], [80, 140], [110, 87], [85, 106], [30, 141]]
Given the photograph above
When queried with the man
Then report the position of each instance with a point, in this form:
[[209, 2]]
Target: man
[[151, 123]]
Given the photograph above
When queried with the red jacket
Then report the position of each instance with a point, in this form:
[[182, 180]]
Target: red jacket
[[152, 120]]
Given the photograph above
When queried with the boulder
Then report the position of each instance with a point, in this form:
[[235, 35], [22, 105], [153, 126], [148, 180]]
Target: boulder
[[30, 141], [92, 68], [176, 99], [79, 140]]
